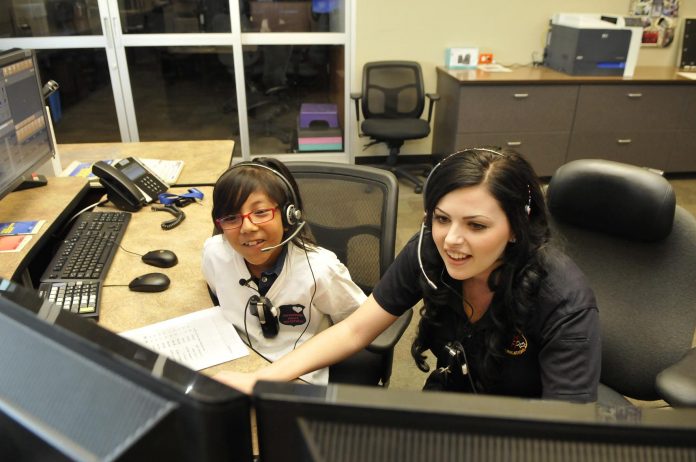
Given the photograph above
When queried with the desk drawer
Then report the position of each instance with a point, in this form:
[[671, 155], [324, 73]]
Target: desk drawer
[[644, 148], [516, 108], [683, 158], [629, 107], [545, 151], [689, 120]]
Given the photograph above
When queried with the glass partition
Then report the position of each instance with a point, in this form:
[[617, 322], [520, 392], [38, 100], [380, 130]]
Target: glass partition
[[280, 81], [83, 109], [174, 16], [283, 16], [183, 92], [49, 18]]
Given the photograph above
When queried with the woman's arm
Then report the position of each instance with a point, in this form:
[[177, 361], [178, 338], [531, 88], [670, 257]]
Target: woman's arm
[[328, 347]]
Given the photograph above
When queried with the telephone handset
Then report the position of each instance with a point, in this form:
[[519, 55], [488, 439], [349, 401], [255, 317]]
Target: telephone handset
[[129, 183]]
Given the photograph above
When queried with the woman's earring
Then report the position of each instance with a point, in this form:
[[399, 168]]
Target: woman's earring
[[512, 240]]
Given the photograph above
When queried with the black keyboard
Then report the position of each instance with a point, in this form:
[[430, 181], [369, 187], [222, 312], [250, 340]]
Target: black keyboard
[[74, 277]]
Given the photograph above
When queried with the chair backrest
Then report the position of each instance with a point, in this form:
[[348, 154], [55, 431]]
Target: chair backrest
[[392, 90], [637, 248], [351, 210]]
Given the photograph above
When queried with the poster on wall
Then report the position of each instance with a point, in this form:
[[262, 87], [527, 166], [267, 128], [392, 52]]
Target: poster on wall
[[659, 19]]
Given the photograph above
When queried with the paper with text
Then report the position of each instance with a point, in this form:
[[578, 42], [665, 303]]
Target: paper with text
[[198, 340]]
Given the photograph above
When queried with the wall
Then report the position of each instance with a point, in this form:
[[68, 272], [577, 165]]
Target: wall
[[511, 30]]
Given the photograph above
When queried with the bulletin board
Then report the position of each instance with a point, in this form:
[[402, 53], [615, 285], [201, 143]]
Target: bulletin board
[[659, 20]]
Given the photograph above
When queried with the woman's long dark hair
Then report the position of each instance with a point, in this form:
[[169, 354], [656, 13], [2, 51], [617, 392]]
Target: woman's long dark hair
[[235, 185], [515, 283]]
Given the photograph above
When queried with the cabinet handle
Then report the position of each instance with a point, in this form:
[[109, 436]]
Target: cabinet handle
[[514, 143], [624, 141], [521, 95], [635, 95]]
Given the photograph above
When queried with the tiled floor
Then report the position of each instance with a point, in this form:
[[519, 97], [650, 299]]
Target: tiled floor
[[405, 374]]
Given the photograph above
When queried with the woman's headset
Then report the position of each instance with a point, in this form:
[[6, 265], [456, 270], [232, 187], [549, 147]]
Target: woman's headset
[[425, 189]]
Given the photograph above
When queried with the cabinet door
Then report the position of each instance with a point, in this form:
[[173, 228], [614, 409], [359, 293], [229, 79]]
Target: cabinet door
[[545, 151], [644, 148], [516, 108], [604, 108], [683, 158]]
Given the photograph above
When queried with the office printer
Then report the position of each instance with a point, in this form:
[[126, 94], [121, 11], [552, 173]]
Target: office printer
[[593, 44]]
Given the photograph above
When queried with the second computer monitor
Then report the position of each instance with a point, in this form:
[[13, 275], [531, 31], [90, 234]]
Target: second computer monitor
[[342, 423]]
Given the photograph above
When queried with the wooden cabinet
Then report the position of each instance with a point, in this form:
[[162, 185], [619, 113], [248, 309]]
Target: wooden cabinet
[[635, 124], [683, 158], [552, 118], [534, 119]]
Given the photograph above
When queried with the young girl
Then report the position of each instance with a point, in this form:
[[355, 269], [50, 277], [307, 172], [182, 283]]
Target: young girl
[[272, 282], [504, 313]]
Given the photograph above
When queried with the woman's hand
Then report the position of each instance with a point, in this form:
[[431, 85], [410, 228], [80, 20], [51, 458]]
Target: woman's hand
[[242, 381]]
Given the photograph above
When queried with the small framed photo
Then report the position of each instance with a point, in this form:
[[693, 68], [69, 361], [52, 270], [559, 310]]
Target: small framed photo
[[461, 58]]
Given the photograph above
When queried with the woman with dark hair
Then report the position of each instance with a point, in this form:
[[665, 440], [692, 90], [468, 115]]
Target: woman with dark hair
[[504, 312]]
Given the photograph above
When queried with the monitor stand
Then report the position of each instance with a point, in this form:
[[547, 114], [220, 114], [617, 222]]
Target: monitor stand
[[32, 181]]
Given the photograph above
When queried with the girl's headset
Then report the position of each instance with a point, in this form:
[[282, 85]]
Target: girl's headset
[[290, 213]]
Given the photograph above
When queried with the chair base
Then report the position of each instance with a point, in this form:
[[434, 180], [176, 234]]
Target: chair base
[[401, 173]]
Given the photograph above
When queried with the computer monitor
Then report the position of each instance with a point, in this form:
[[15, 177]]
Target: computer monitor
[[340, 422], [25, 140], [71, 390]]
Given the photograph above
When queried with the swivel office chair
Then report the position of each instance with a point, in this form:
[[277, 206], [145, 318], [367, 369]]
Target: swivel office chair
[[351, 210], [393, 99], [621, 225]]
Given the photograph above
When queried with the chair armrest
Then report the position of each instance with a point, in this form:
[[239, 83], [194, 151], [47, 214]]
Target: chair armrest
[[388, 339], [433, 97], [677, 383], [356, 97]]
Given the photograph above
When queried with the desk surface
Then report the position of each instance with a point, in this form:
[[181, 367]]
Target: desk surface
[[204, 161], [544, 75], [122, 309], [45, 203]]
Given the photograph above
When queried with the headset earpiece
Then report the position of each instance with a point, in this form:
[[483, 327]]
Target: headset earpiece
[[291, 215]]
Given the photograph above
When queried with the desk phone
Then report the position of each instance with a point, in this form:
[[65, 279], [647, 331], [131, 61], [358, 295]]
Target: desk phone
[[129, 183]]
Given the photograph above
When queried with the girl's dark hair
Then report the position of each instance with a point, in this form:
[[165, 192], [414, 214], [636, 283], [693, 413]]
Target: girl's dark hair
[[515, 283], [236, 184]]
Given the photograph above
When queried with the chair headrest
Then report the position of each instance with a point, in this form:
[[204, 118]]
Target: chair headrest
[[620, 199]]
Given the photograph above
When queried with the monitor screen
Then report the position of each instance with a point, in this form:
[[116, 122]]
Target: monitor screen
[[340, 422], [71, 390], [25, 141]]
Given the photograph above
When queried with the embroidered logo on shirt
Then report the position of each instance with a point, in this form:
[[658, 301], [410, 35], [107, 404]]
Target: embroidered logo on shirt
[[292, 315], [518, 345]]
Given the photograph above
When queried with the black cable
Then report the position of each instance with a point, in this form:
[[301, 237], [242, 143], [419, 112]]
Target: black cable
[[473, 311], [178, 214], [311, 300], [126, 250]]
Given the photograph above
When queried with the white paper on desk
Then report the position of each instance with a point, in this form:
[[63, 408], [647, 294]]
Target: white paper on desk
[[688, 75], [198, 340]]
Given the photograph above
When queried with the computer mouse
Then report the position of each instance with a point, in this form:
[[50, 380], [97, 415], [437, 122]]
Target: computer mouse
[[160, 258], [150, 282]]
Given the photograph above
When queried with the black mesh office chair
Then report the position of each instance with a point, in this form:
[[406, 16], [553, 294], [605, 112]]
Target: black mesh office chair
[[393, 99], [351, 210], [621, 225]]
